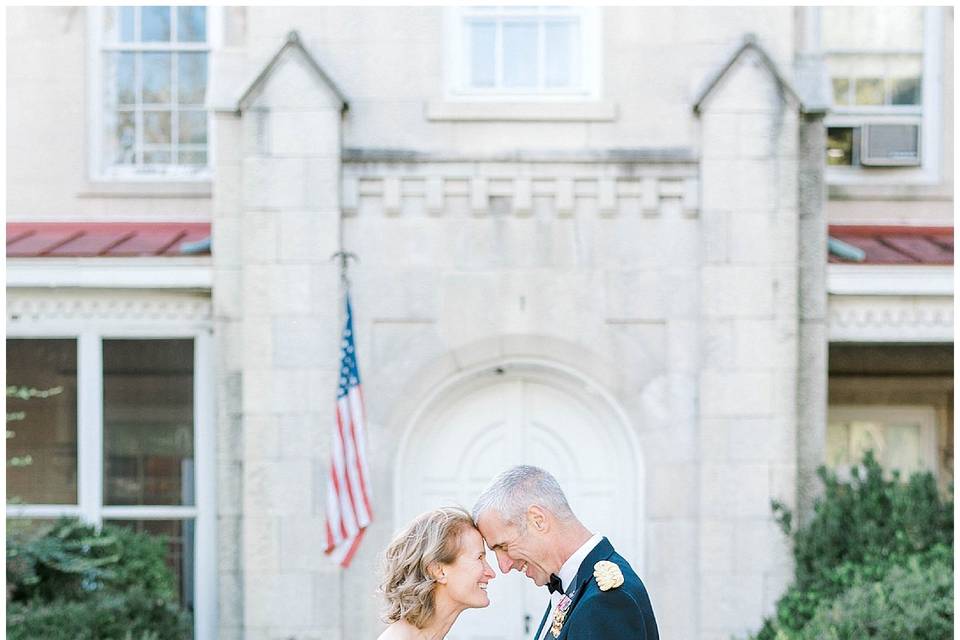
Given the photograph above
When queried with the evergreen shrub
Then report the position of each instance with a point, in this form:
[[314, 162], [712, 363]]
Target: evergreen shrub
[[873, 542], [75, 582]]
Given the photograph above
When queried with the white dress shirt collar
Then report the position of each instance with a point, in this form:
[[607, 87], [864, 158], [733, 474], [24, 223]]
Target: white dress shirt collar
[[568, 572]]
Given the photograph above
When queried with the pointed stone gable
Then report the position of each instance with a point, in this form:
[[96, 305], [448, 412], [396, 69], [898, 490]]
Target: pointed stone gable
[[747, 76], [292, 79]]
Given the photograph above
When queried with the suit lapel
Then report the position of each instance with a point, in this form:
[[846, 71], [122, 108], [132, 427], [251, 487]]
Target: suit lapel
[[602, 551]]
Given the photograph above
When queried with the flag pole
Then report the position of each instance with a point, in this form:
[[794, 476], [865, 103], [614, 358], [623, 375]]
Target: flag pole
[[344, 257]]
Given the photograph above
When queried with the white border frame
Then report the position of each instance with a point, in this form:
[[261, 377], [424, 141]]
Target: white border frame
[[161, 272], [90, 446], [94, 122], [930, 119], [886, 280], [455, 88]]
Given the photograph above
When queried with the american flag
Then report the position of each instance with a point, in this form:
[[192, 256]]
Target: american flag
[[348, 493]]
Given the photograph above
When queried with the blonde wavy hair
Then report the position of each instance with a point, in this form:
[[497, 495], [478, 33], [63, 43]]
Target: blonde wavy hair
[[408, 583]]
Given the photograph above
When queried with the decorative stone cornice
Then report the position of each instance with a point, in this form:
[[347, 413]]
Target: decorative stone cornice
[[28, 307], [611, 189], [891, 319]]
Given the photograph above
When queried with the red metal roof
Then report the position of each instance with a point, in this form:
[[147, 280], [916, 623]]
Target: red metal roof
[[896, 244], [107, 239]]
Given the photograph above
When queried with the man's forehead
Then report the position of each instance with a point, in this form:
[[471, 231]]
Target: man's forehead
[[492, 527]]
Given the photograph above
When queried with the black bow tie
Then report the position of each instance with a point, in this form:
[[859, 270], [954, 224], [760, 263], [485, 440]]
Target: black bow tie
[[554, 585]]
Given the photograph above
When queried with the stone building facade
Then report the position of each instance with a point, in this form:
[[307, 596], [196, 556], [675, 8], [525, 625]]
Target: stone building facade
[[624, 280]]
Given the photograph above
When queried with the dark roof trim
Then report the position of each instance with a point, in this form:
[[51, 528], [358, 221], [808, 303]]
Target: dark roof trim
[[750, 43], [293, 42]]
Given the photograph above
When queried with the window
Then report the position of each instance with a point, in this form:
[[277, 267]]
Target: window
[[42, 421], [883, 64], [901, 437], [107, 429], [874, 55], [520, 52], [152, 118]]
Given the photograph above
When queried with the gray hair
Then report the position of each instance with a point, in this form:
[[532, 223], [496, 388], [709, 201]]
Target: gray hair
[[516, 489]]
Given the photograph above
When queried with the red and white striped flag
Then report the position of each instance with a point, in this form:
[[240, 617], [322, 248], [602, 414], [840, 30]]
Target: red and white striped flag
[[348, 488]]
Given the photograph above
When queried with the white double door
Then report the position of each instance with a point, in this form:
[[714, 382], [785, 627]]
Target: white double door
[[472, 434]]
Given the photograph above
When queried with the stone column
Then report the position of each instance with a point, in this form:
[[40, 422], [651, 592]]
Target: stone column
[[227, 312], [749, 292], [813, 339], [278, 306]]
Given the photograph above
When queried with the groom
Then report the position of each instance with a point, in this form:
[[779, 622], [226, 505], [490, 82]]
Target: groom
[[594, 593]]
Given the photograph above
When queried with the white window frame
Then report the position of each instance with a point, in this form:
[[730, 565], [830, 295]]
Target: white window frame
[[456, 81], [929, 114], [924, 415], [97, 169], [89, 505]]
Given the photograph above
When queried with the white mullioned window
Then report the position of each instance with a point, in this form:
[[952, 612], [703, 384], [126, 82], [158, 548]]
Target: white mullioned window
[[150, 92], [518, 51], [874, 56], [125, 437], [884, 68]]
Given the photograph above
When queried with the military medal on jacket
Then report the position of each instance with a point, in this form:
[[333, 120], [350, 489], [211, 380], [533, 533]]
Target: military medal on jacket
[[560, 615]]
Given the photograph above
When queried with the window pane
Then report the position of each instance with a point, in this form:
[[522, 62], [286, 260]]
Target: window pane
[[191, 78], [840, 145], [124, 82], [126, 24], [838, 449], [193, 127], [483, 37], [125, 138], [903, 448], [29, 528], [869, 91], [561, 60], [905, 91], [118, 24], [866, 436], [155, 24], [519, 54], [156, 78], [872, 28], [192, 157], [180, 545], [148, 421], [156, 127], [156, 157], [191, 24], [841, 91], [42, 454]]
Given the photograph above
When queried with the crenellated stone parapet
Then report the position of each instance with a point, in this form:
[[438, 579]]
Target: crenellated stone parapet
[[634, 183]]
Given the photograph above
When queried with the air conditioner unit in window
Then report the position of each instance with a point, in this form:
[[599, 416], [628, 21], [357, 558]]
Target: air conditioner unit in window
[[890, 145]]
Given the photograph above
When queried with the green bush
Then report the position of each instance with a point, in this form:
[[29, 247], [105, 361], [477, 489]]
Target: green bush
[[863, 533], [132, 615], [73, 581], [913, 601]]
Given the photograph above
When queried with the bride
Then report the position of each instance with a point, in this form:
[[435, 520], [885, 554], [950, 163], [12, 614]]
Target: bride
[[433, 570]]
